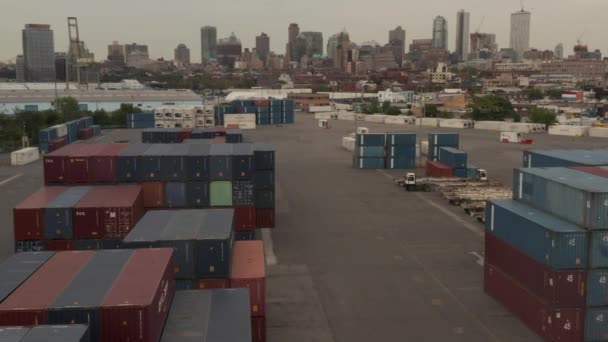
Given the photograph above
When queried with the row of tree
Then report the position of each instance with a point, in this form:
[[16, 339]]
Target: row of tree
[[496, 108], [386, 108]]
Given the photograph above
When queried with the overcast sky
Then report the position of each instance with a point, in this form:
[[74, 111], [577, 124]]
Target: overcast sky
[[163, 24]]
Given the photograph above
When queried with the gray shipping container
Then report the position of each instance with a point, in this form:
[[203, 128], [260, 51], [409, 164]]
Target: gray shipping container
[[129, 163], [573, 195], [80, 300], [173, 164], [197, 162], [13, 334], [175, 195], [58, 213], [264, 179], [220, 162], [58, 333], [152, 158], [210, 316], [18, 268]]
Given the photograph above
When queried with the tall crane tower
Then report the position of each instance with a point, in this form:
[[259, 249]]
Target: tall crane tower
[[79, 59]]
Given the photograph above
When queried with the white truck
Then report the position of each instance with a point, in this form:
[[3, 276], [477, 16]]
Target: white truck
[[514, 138]]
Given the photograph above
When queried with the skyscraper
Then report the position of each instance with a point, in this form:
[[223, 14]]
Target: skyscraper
[[229, 50], [559, 51], [440, 33], [520, 32], [314, 43], [294, 32], [208, 43], [462, 35], [483, 45], [262, 46], [38, 53], [396, 39], [182, 56], [116, 54], [332, 43]]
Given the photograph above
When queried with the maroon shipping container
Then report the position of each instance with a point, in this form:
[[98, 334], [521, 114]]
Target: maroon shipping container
[[220, 131], [103, 164], [437, 169], [108, 212], [248, 271], [594, 170], [154, 194], [28, 304], [244, 219], [54, 164], [218, 140], [58, 245], [264, 218], [552, 324], [136, 307], [86, 133], [58, 143], [209, 284], [183, 134], [261, 103], [28, 216], [258, 329], [562, 288], [78, 163]]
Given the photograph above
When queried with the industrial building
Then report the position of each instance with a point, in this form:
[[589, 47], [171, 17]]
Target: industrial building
[[13, 100]]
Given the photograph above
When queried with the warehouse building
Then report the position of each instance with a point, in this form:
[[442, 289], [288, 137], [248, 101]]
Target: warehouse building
[[12, 100]]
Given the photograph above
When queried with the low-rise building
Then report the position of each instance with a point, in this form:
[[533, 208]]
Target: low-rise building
[[440, 75], [581, 69], [304, 101], [396, 96]]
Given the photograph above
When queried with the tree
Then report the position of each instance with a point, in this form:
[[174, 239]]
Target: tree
[[67, 107], [543, 116], [492, 108], [372, 108], [535, 94], [392, 110], [554, 94], [385, 106], [430, 111]]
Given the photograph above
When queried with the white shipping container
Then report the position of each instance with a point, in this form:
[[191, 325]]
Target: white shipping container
[[239, 118], [349, 116], [62, 130], [377, 118], [343, 106], [410, 119], [456, 123], [424, 148], [429, 122], [323, 116], [348, 143], [571, 131], [242, 125], [395, 120], [323, 124], [319, 109], [362, 130], [598, 132], [489, 125], [24, 156]]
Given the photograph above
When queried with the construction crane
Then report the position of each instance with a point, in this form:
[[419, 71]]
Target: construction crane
[[78, 55], [480, 24]]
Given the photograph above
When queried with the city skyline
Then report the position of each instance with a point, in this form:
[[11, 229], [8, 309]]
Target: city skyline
[[241, 18]]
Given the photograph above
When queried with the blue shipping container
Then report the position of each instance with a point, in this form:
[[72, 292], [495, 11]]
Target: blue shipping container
[[401, 151], [596, 324], [597, 287], [565, 158], [140, 124], [196, 162], [140, 117], [58, 213], [401, 163], [453, 158], [263, 179], [543, 237], [401, 139], [460, 173], [220, 162], [264, 199], [444, 139], [173, 164], [152, 161], [368, 163], [598, 256], [433, 152], [175, 195], [242, 161], [471, 171], [129, 166], [197, 194], [573, 195], [370, 139], [369, 151], [263, 156]]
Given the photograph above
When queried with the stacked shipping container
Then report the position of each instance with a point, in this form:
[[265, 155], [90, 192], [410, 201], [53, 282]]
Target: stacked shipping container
[[267, 112], [140, 120], [385, 150], [546, 249], [55, 137], [180, 135]]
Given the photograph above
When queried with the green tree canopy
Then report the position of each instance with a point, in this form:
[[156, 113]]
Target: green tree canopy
[[430, 110], [492, 108], [542, 116], [67, 107], [535, 94]]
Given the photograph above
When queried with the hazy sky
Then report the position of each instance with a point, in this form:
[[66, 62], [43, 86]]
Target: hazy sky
[[162, 24]]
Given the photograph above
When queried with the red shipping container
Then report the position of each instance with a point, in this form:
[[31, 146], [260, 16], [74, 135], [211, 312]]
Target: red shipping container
[[58, 245], [54, 164], [78, 163], [103, 164], [210, 283], [258, 329], [56, 144], [218, 140], [108, 212], [248, 270], [594, 170], [28, 304], [233, 126], [154, 194], [552, 324], [437, 169], [264, 218], [244, 219], [136, 307], [183, 134], [562, 288], [220, 131], [86, 133], [28, 216], [261, 103]]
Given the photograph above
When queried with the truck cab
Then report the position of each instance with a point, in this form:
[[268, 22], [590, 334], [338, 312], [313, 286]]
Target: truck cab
[[482, 175]]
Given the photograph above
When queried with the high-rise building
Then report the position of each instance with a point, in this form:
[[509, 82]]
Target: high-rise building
[[332, 43], [38, 53], [20, 68], [136, 55], [116, 54], [440, 33], [462, 35], [229, 50], [520, 32], [346, 54], [483, 45], [182, 56], [262, 46], [314, 43], [294, 32], [559, 51], [61, 66], [396, 39], [208, 43]]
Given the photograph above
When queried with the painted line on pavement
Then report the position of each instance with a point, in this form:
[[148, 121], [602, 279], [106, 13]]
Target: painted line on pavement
[[10, 179], [478, 231], [271, 258]]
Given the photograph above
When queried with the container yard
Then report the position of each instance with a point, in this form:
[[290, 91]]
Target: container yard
[[338, 233]]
